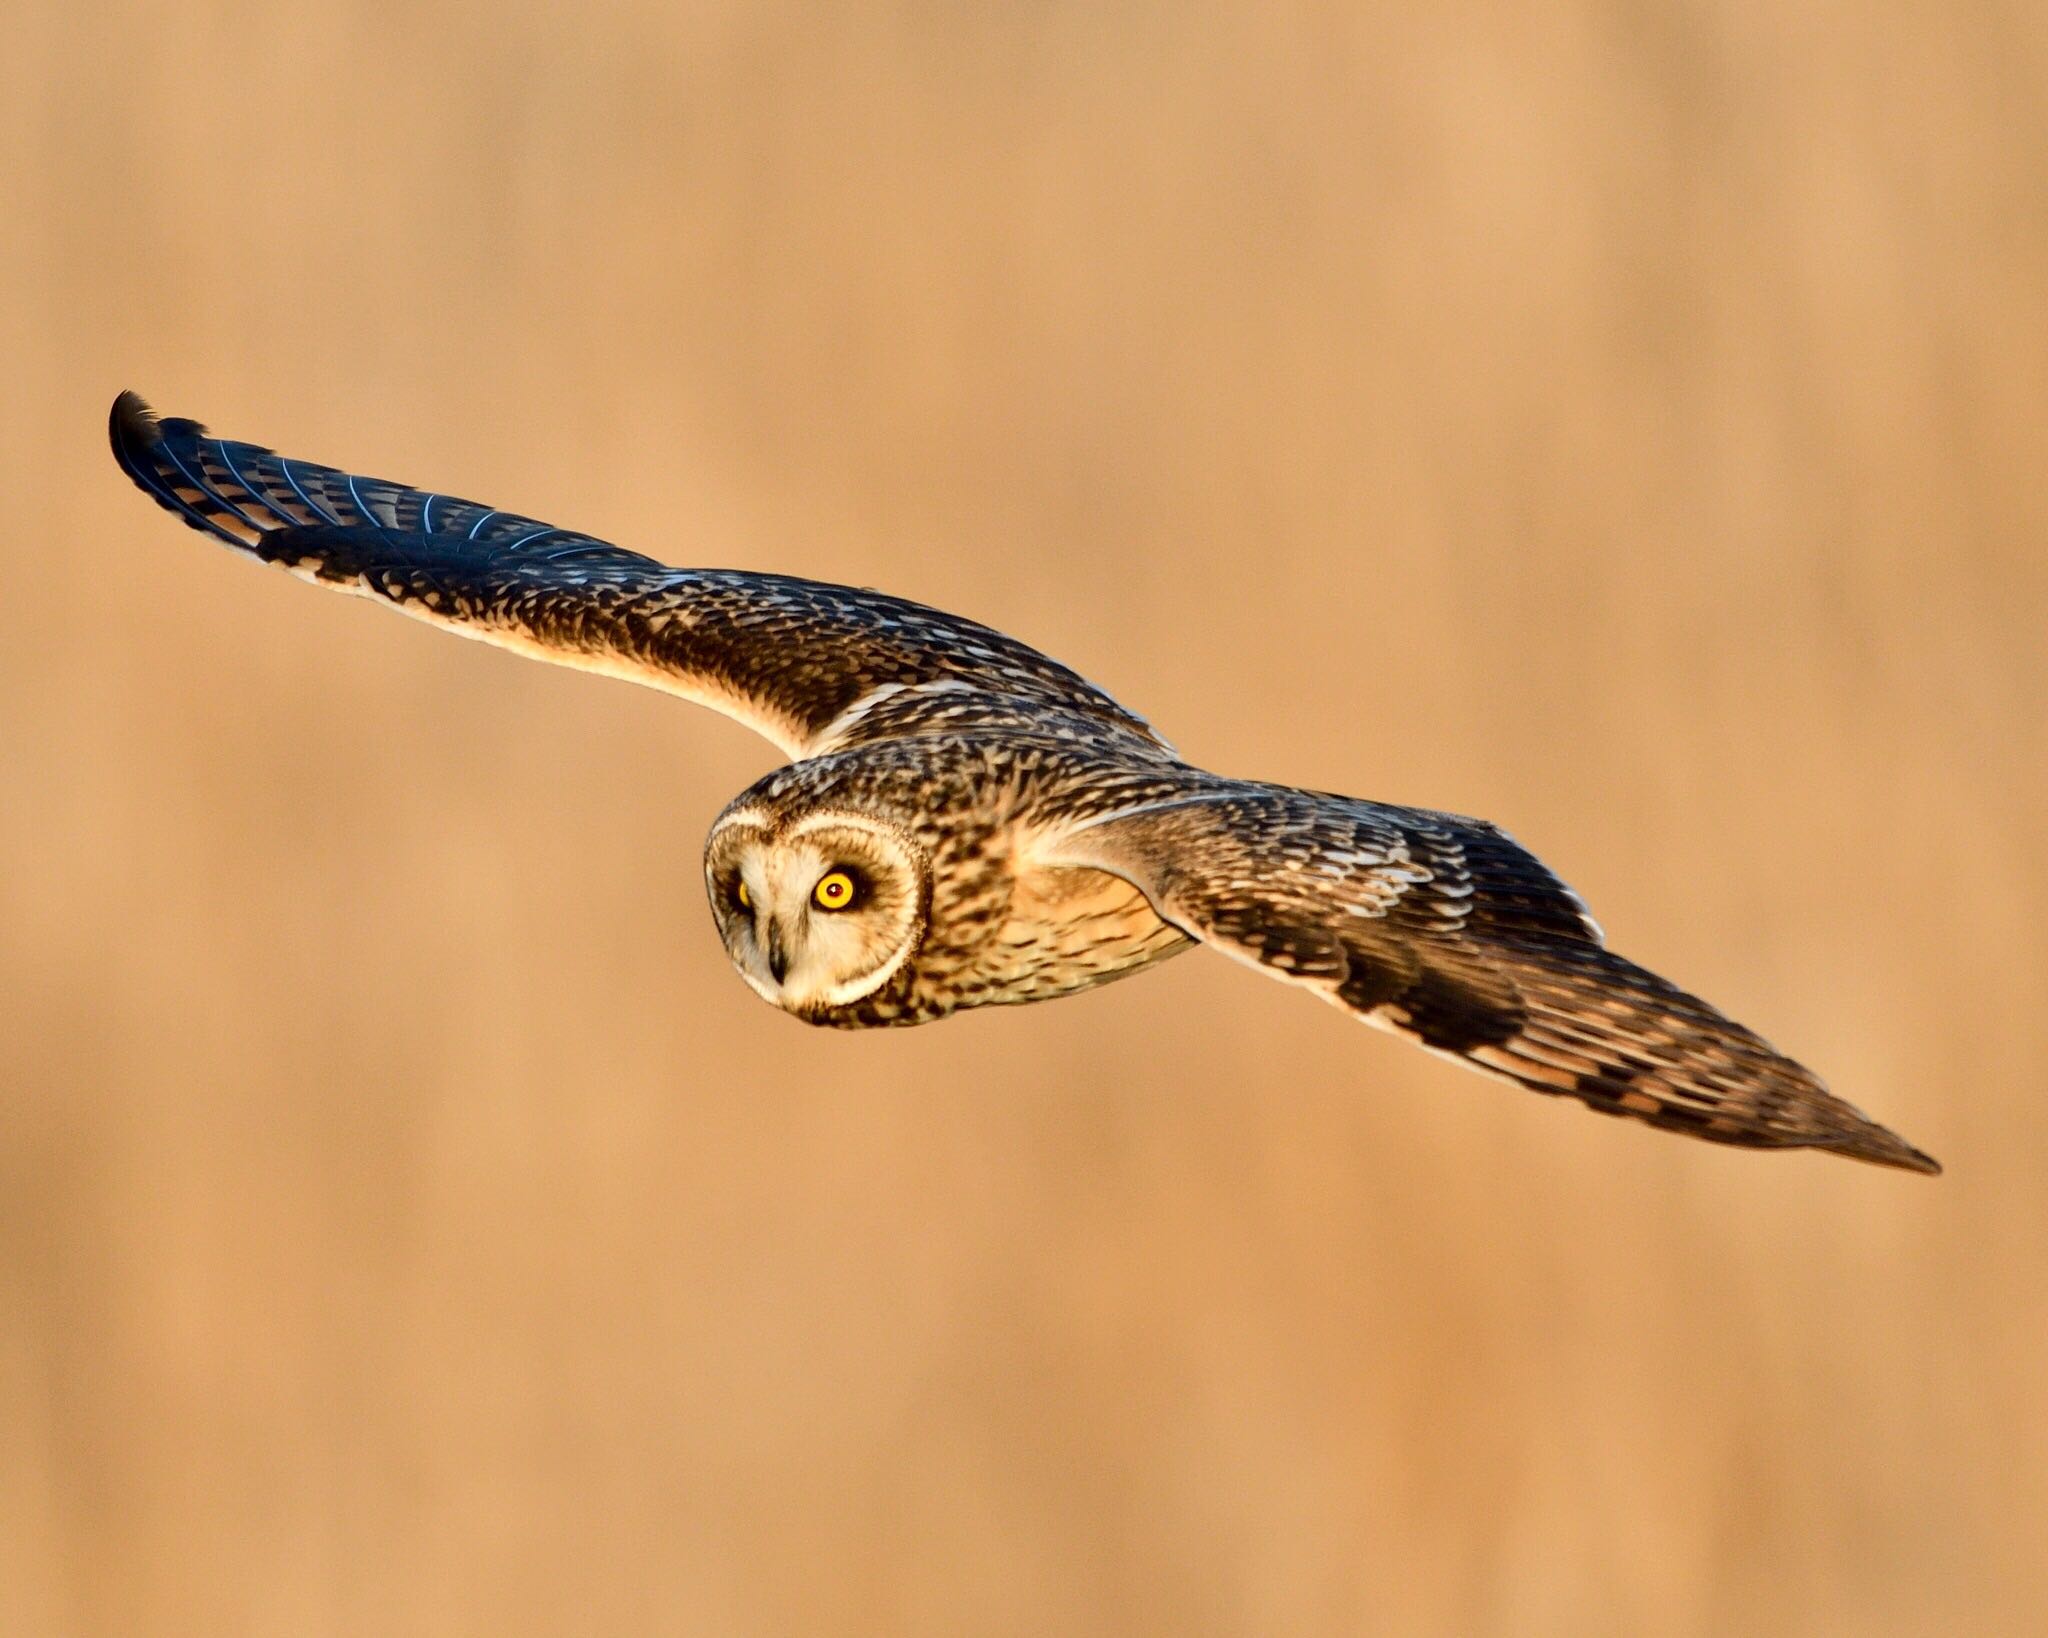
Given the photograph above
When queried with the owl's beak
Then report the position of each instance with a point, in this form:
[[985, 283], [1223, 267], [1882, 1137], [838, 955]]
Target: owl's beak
[[778, 957]]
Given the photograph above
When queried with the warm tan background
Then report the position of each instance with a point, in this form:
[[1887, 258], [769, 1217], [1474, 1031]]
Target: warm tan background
[[1629, 426]]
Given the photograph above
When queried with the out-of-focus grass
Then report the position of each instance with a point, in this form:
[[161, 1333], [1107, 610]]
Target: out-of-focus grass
[[1626, 427]]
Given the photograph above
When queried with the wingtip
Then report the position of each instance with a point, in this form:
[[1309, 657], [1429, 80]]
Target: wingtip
[[1882, 1147], [132, 424]]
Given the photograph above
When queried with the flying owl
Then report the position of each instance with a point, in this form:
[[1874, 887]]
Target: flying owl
[[966, 823]]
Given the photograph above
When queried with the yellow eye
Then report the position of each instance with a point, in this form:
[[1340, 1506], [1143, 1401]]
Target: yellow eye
[[746, 899], [833, 892]]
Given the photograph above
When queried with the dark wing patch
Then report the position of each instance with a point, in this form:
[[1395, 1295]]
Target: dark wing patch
[[810, 665], [1443, 929]]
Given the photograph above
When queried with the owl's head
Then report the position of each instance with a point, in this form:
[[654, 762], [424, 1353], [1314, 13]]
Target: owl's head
[[817, 912]]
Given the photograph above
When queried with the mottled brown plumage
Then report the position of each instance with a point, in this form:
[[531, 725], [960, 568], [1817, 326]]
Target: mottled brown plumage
[[969, 823]]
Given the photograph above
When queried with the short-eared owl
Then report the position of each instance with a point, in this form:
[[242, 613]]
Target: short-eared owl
[[968, 823]]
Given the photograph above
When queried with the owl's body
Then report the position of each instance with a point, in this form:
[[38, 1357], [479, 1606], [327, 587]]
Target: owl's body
[[1001, 924], [967, 823]]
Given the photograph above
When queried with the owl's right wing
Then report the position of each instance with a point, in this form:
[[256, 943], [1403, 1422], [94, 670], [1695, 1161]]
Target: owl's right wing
[[1444, 930], [811, 666]]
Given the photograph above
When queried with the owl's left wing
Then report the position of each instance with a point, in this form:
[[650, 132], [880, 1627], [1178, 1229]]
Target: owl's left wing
[[1446, 931], [811, 666]]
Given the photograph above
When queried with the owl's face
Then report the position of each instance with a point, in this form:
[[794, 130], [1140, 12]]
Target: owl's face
[[818, 913]]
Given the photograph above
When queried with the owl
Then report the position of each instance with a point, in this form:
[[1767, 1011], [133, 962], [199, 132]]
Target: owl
[[966, 823]]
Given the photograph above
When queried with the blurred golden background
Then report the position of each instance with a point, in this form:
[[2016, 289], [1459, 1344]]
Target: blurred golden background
[[1626, 423]]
